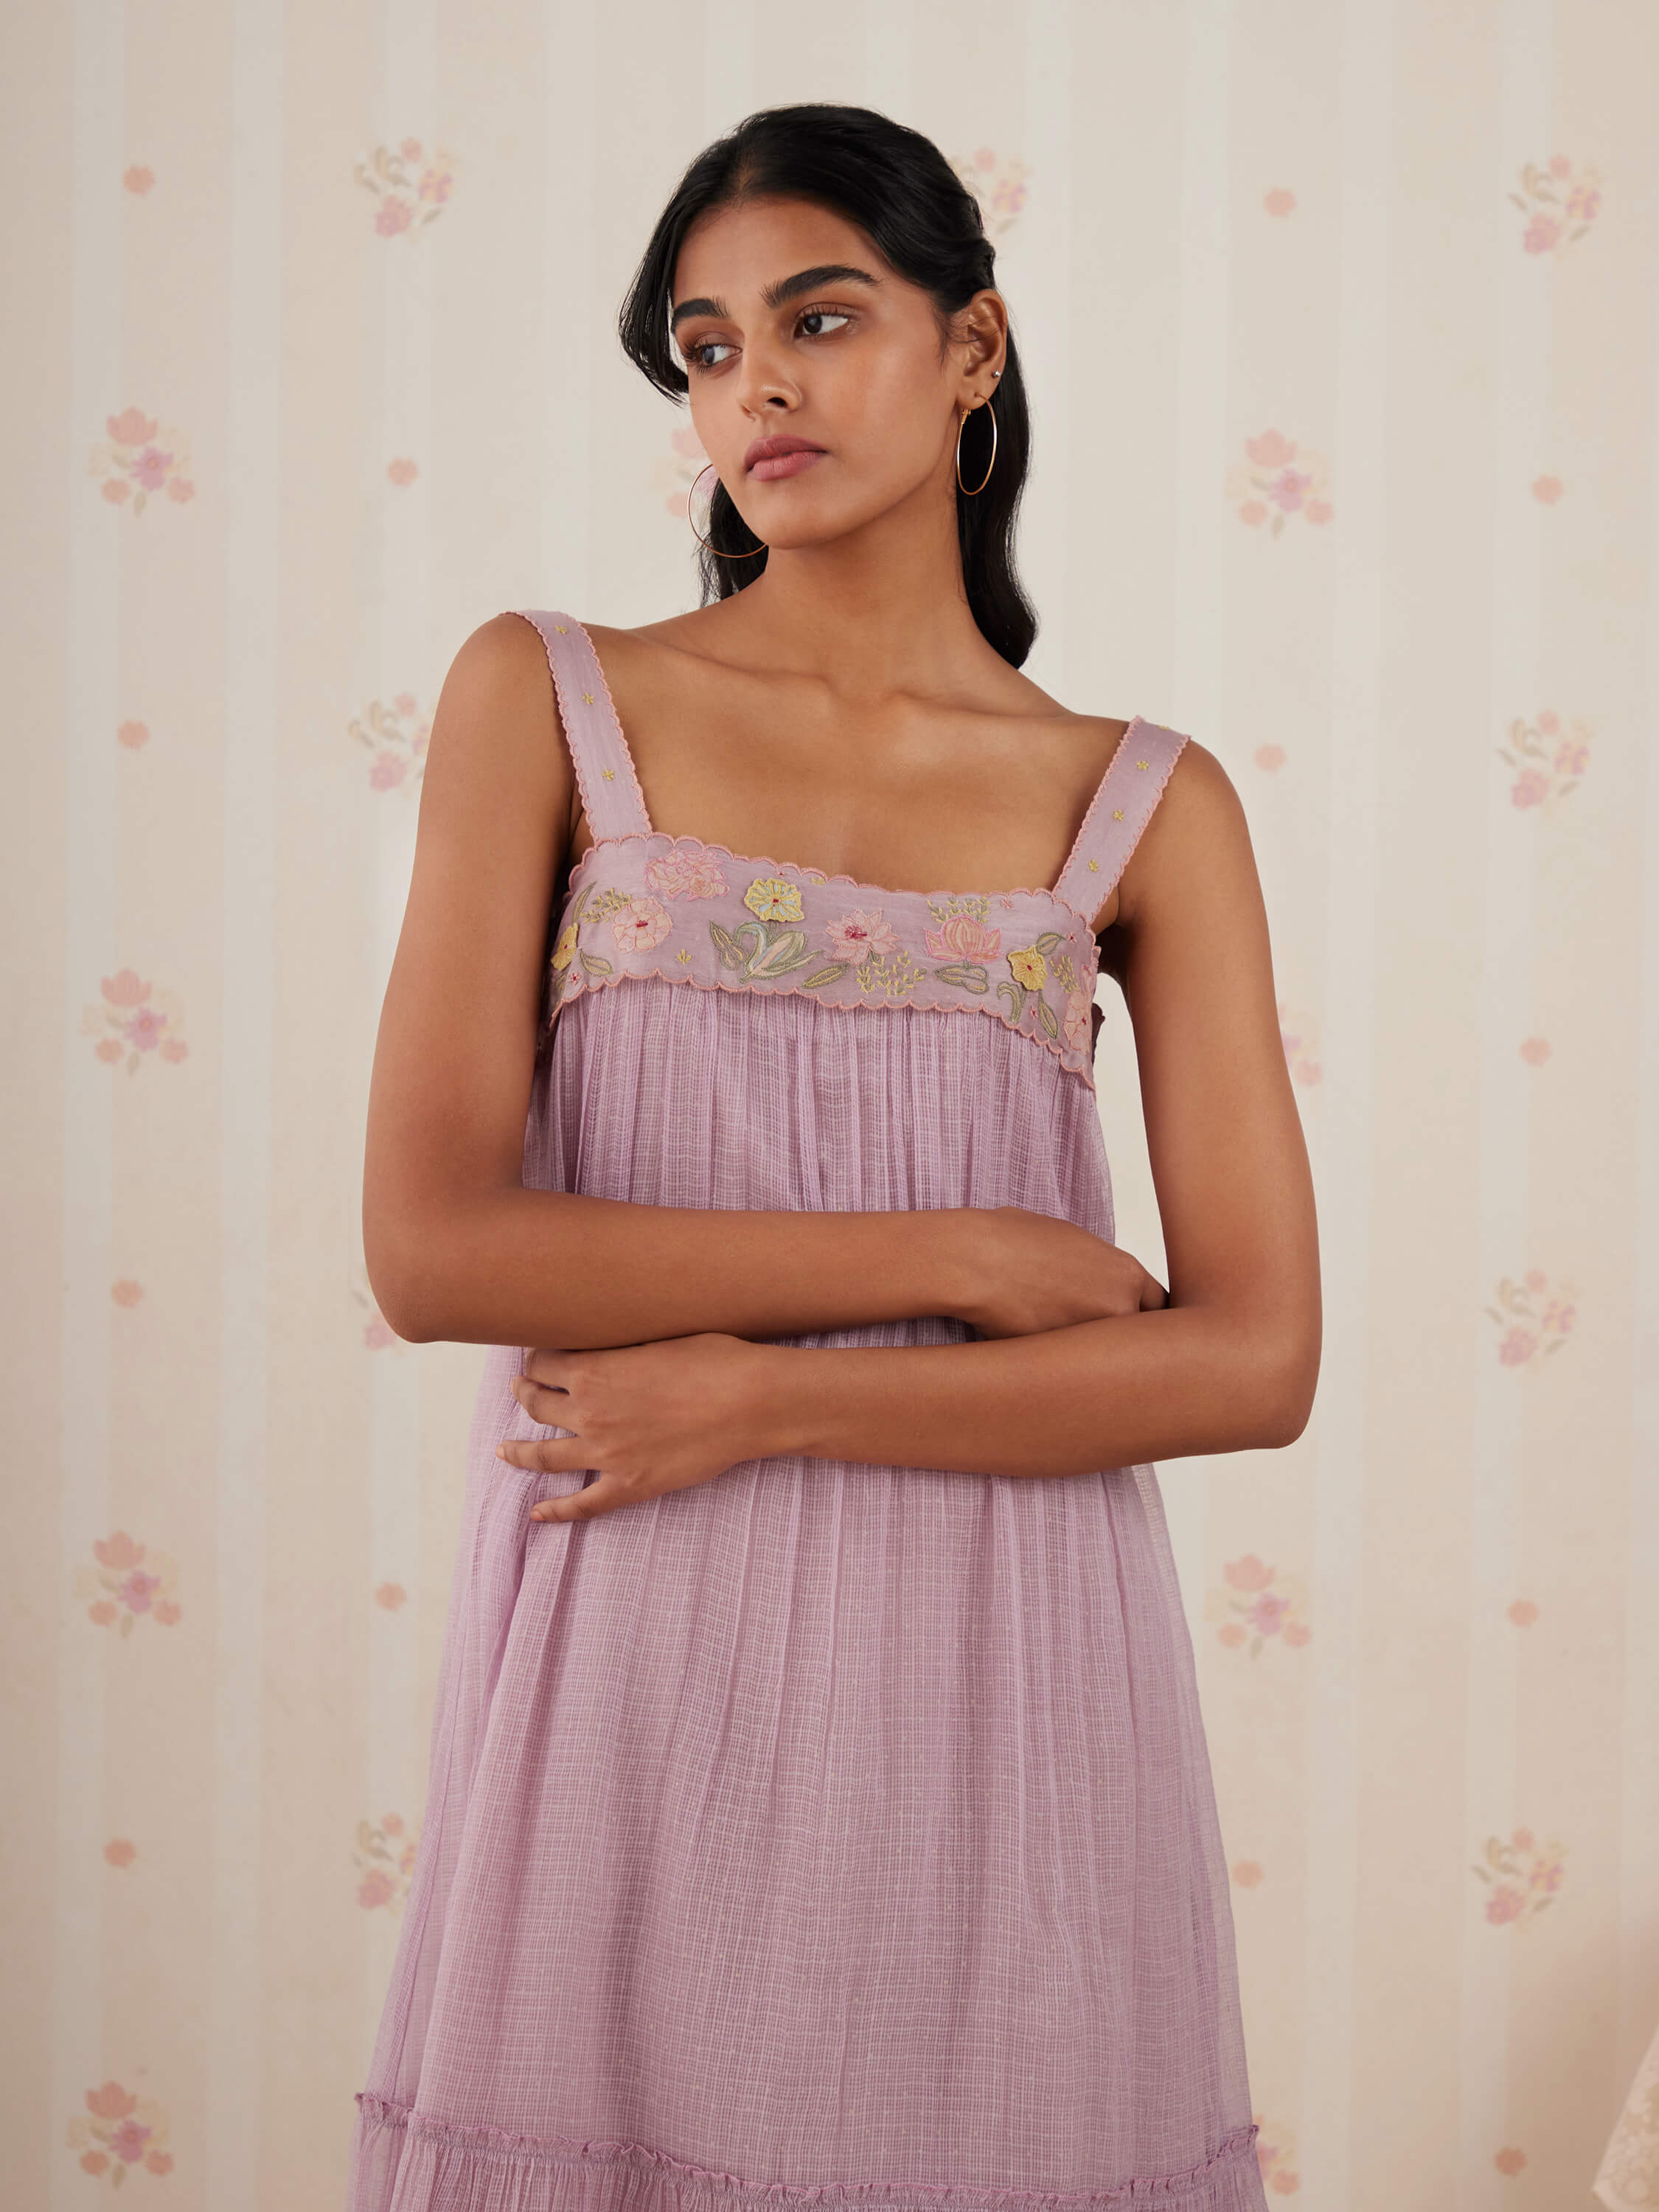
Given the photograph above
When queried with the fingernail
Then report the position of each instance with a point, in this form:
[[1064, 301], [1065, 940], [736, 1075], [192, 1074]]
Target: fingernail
[[501, 1451]]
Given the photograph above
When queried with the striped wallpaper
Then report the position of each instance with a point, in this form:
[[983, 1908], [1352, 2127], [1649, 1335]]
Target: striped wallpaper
[[1340, 319]]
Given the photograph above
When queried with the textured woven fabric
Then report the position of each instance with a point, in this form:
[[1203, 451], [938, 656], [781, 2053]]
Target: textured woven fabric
[[827, 1832]]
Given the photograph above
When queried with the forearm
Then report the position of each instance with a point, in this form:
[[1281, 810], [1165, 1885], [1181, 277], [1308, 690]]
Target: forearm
[[580, 1274], [1164, 1384]]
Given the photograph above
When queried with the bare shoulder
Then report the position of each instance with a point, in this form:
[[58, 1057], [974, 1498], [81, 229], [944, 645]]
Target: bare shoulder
[[497, 717], [1196, 846]]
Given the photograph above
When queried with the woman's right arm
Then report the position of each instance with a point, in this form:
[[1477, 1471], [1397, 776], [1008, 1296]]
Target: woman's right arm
[[457, 1248]]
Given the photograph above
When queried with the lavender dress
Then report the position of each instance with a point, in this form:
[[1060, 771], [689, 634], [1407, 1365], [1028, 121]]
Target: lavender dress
[[827, 1835]]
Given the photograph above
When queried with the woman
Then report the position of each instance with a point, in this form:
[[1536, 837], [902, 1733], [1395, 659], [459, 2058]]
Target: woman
[[820, 1805]]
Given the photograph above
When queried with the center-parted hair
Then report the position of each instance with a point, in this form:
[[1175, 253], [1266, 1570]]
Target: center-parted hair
[[898, 187]]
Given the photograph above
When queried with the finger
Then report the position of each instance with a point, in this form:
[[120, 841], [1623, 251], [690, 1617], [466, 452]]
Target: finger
[[545, 1363], [547, 1406], [600, 1497], [543, 1454]]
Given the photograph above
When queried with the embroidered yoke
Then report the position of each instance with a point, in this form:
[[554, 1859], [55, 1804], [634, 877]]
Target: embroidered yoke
[[826, 1837]]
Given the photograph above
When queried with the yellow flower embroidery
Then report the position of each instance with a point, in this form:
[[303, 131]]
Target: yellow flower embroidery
[[587, 700], [773, 899], [1117, 814], [1140, 763], [1029, 967], [565, 951], [608, 773]]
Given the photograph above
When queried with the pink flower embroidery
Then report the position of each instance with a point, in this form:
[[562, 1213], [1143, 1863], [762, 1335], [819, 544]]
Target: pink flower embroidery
[[855, 936], [677, 874], [963, 937], [1074, 1021], [643, 923]]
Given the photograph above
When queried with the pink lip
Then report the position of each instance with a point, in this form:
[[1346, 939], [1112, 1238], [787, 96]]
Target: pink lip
[[785, 464]]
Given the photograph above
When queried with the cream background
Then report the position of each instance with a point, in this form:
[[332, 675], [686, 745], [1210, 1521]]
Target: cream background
[[238, 1418]]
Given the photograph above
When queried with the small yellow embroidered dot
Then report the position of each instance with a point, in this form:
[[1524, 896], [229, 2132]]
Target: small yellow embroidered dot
[[1095, 866], [1140, 763], [610, 774], [587, 700], [1117, 814], [561, 629]]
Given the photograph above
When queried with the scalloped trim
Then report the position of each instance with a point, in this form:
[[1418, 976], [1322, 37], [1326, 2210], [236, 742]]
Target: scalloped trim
[[952, 2196], [1103, 790], [763, 860], [556, 616], [1084, 1071]]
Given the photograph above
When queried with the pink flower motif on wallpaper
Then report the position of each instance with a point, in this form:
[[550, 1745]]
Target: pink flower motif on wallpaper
[[125, 1292], [120, 2132], [1509, 2160], [132, 1020], [1522, 1877], [1532, 1320], [679, 874], [137, 180], [1269, 758], [1522, 1611], [1549, 758], [133, 735], [1548, 490], [856, 935], [1560, 203], [411, 188], [1280, 201], [118, 1852], [138, 458], [674, 473], [1256, 1604], [391, 1597], [1000, 187], [385, 1859], [1299, 1034], [1247, 1874], [1276, 2155], [1534, 1050], [395, 736], [129, 1581], [403, 471], [1277, 479]]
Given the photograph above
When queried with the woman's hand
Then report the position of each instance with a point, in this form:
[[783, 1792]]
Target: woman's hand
[[1027, 1271], [653, 1417]]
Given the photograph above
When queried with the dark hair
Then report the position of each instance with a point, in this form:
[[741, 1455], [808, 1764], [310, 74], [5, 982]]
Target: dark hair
[[902, 193]]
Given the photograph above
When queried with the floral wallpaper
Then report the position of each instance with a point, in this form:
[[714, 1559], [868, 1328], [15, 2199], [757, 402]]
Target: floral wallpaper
[[1341, 332]]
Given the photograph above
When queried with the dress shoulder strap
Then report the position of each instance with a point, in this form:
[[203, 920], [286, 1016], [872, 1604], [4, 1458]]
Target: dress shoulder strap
[[1122, 805], [611, 798]]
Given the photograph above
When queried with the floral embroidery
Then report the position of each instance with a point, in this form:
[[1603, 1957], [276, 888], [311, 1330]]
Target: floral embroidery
[[858, 934], [774, 931], [643, 922], [690, 875], [773, 898]]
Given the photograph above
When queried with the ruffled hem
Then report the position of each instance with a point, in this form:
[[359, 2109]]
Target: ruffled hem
[[407, 2161]]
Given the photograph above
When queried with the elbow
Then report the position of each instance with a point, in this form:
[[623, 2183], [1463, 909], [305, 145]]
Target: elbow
[[1286, 1379], [403, 1279]]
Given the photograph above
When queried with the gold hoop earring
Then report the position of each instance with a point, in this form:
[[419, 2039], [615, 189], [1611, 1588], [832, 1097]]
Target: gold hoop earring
[[697, 534], [989, 465]]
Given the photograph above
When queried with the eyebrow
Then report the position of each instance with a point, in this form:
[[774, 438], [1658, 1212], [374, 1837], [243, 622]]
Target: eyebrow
[[775, 296]]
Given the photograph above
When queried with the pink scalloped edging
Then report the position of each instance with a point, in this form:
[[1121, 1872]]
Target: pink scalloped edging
[[986, 1011], [572, 744], [1104, 790], [950, 2196], [817, 875]]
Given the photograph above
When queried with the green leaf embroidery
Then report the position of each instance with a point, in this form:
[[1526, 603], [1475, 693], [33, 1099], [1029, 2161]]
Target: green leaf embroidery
[[1046, 1017], [592, 965], [816, 981], [1015, 994], [967, 973], [1046, 942], [732, 954]]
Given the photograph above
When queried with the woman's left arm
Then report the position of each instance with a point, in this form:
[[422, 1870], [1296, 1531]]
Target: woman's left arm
[[1230, 1363], [1232, 1360]]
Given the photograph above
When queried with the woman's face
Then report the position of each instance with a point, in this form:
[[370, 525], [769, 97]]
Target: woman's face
[[792, 326]]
